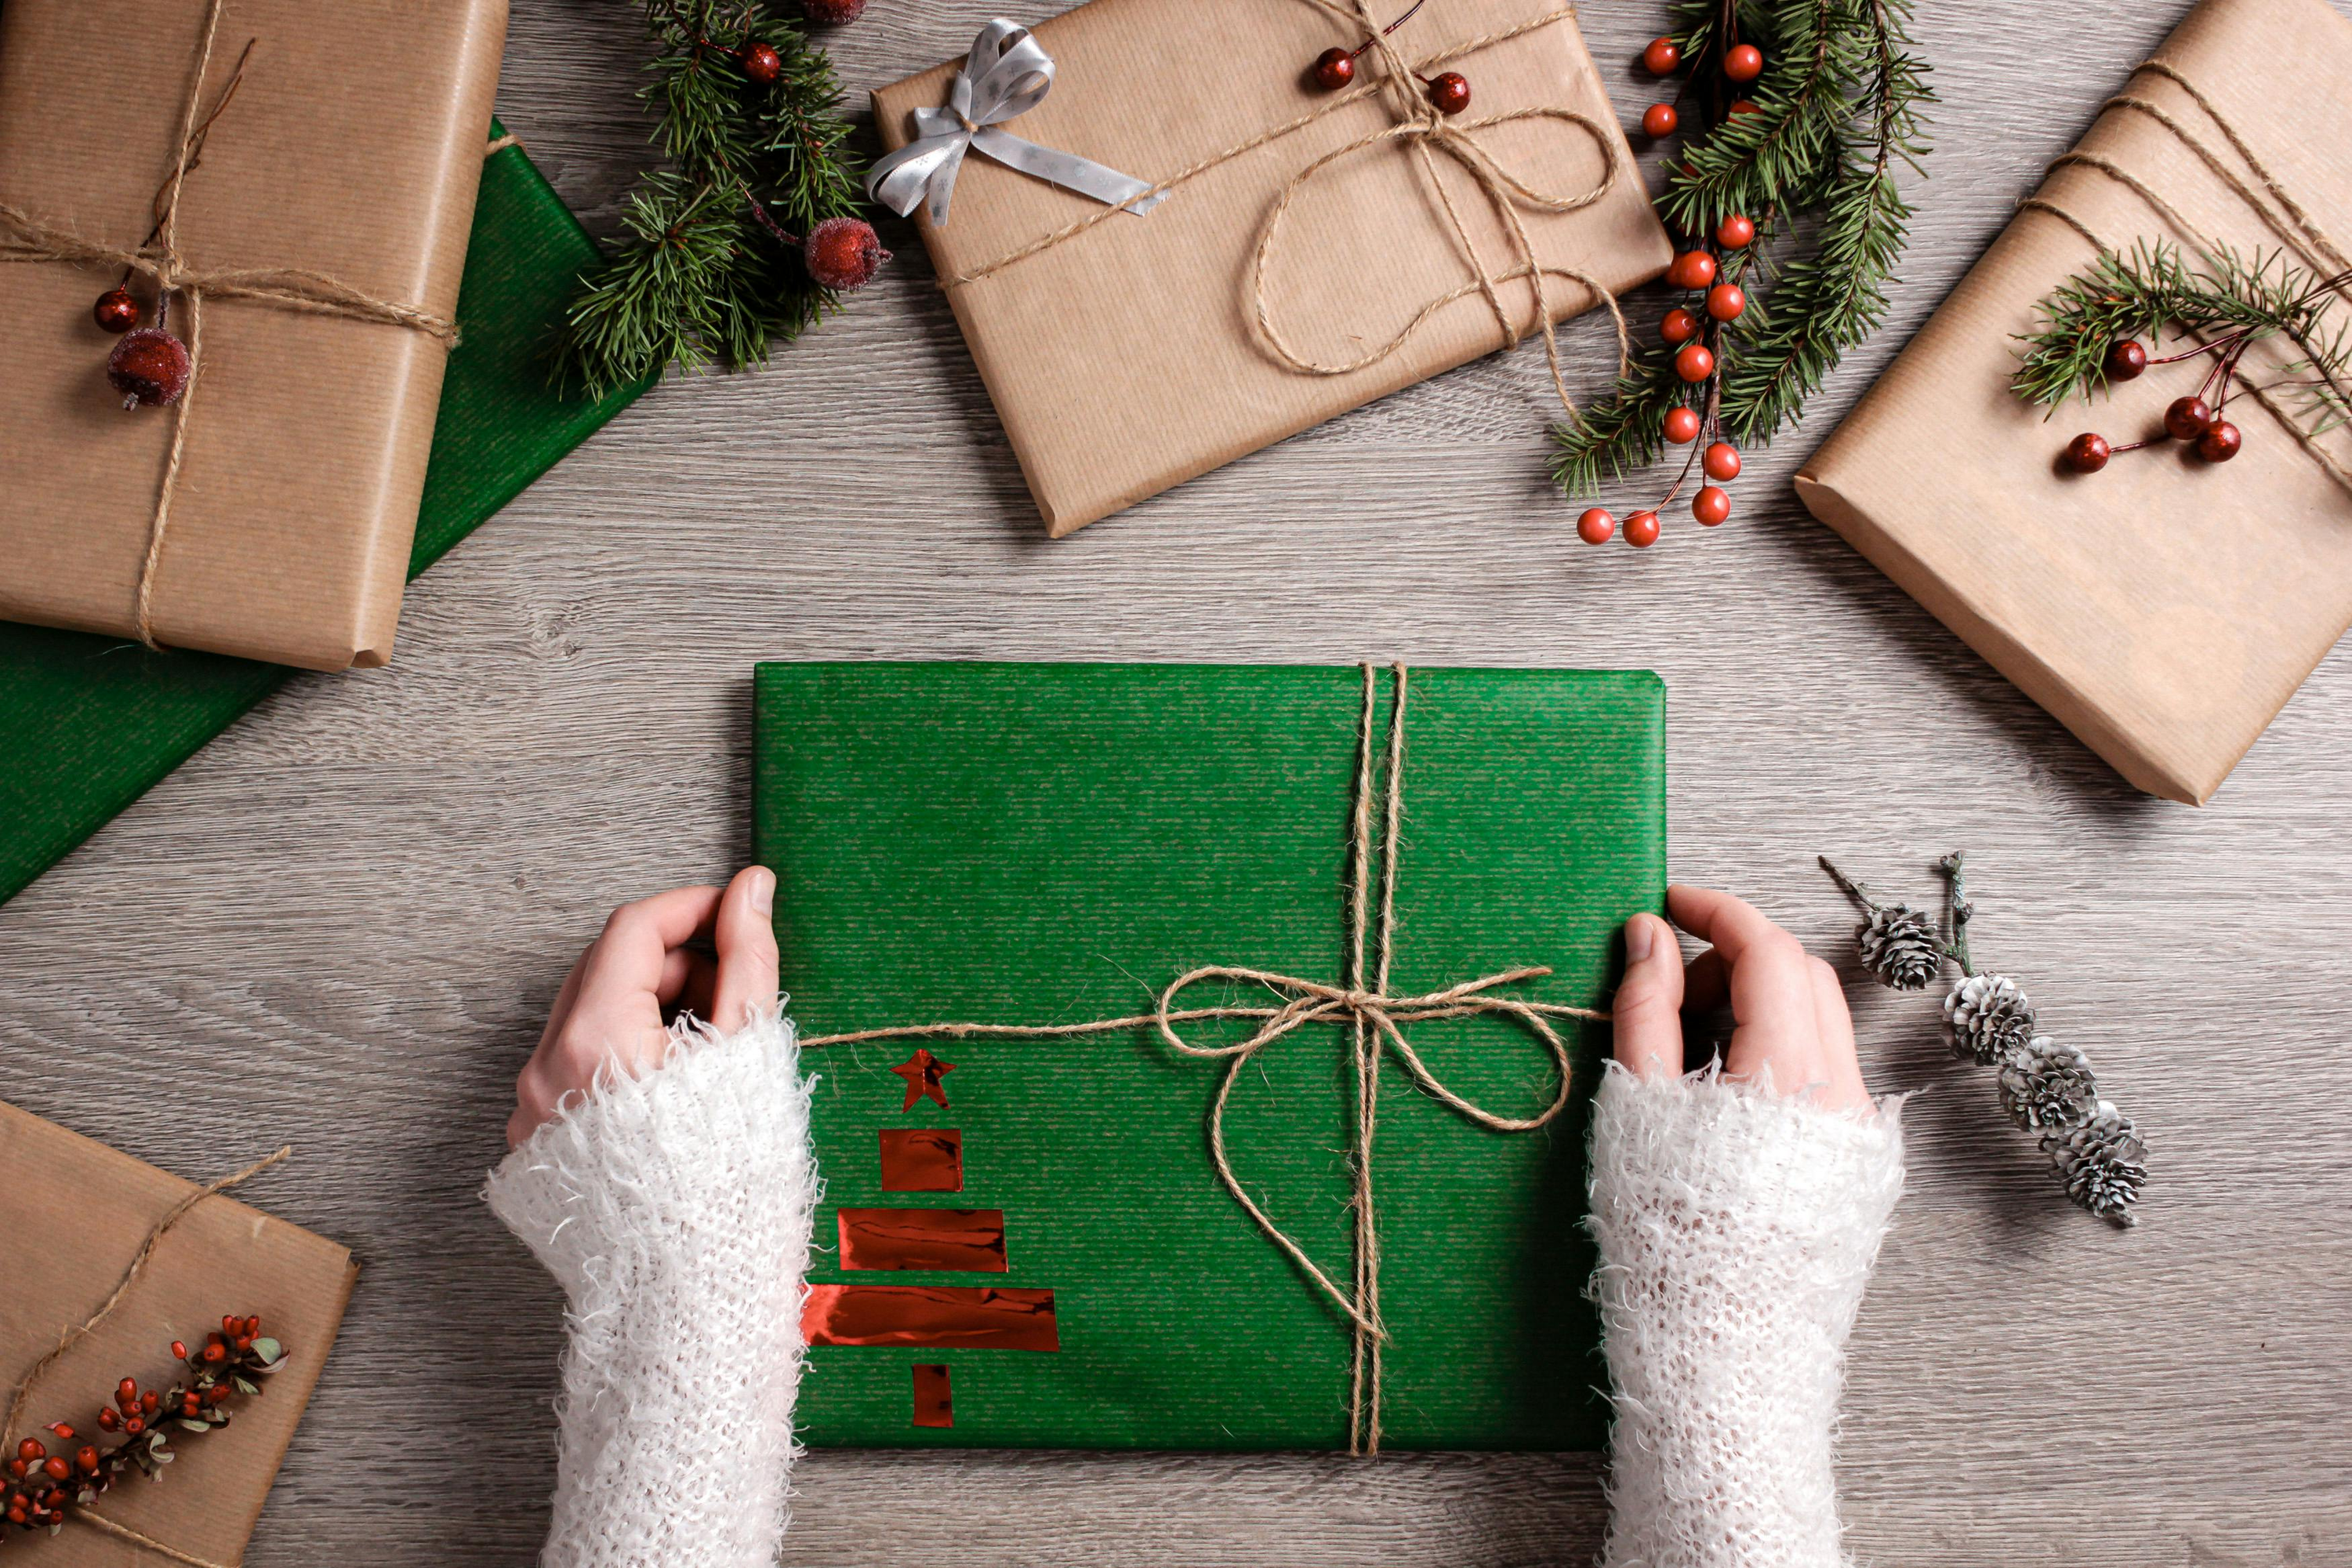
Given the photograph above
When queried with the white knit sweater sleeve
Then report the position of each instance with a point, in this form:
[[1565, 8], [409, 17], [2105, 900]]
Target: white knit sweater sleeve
[[675, 1211], [1737, 1230]]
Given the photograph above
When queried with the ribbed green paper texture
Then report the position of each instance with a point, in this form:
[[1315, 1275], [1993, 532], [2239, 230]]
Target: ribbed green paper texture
[[87, 724], [1051, 843]]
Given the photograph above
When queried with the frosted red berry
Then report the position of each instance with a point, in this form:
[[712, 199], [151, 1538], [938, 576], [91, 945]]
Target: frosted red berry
[[2125, 360], [1693, 363], [842, 253], [1659, 120], [1334, 68], [1711, 505], [1682, 426], [1596, 526], [833, 13], [149, 368], [1721, 461], [1743, 62], [1449, 92], [1663, 57], [1641, 530]]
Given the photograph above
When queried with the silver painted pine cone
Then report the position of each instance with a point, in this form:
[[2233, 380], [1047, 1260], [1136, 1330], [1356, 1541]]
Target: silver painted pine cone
[[1988, 1017], [1900, 946], [2103, 1163], [2048, 1084]]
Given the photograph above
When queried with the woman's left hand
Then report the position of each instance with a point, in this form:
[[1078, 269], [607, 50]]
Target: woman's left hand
[[608, 1018]]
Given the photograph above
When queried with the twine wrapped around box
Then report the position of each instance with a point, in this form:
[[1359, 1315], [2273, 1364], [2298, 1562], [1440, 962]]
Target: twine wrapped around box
[[1361, 1003]]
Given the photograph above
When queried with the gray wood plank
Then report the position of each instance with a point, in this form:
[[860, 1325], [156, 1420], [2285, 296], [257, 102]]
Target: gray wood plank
[[350, 912]]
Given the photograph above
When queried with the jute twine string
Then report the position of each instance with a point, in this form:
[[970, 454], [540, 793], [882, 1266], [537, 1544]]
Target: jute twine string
[[2289, 221], [23, 1392], [23, 237], [1375, 1019], [1425, 131]]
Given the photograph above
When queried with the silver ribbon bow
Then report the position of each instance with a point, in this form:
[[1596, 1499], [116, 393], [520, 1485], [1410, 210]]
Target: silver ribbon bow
[[1006, 75]]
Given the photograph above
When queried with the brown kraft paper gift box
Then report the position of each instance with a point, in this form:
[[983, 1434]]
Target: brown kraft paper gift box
[[352, 149], [80, 1212], [2163, 609], [1126, 360]]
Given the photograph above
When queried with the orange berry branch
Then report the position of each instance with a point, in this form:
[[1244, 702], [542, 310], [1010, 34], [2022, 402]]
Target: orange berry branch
[[1790, 110], [46, 1482]]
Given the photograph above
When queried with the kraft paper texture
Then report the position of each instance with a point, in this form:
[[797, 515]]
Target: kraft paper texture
[[2164, 609], [1127, 359], [353, 148], [81, 1211]]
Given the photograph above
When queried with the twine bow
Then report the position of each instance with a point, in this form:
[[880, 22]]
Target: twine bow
[[1005, 76], [23, 237], [1361, 1003]]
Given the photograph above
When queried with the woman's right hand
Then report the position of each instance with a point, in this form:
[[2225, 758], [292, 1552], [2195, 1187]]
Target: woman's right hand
[[1789, 1009]]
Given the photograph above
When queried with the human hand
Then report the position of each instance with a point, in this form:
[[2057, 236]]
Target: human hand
[[609, 1014], [1788, 1007]]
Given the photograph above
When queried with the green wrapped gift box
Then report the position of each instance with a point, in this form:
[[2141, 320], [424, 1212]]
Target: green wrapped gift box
[[87, 724], [1027, 1241]]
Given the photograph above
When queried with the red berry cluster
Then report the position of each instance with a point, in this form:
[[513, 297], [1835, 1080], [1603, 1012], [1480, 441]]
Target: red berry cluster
[[1448, 91], [42, 1484], [2191, 419], [1691, 327]]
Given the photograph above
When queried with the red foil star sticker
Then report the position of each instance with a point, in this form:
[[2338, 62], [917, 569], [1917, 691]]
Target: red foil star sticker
[[922, 1072]]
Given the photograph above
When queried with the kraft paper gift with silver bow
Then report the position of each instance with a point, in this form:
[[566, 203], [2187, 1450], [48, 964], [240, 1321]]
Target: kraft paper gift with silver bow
[[1126, 359]]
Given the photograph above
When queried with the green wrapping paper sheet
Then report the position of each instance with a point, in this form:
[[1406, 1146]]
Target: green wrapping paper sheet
[[1047, 844], [87, 724]]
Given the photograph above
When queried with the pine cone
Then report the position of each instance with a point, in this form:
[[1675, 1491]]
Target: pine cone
[[2047, 1085], [1900, 946], [1988, 1017], [2103, 1163]]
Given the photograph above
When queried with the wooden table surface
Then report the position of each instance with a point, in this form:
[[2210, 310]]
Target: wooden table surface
[[346, 917]]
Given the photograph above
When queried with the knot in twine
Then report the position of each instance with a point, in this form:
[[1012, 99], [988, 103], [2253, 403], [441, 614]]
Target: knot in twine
[[1423, 130], [23, 237], [23, 1392], [1362, 1004], [2289, 220]]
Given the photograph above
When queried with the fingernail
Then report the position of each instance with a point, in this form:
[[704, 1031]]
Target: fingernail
[[764, 889], [1641, 938]]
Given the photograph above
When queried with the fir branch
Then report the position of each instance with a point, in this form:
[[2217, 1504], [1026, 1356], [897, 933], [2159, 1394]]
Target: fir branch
[[707, 276], [1839, 105], [2223, 305]]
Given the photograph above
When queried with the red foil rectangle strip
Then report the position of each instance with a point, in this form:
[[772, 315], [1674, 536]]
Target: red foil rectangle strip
[[969, 1239], [934, 1401], [931, 1317], [922, 1160]]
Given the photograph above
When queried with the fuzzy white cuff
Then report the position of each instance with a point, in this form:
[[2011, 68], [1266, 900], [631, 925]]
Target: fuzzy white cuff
[[1737, 1230], [675, 1210]]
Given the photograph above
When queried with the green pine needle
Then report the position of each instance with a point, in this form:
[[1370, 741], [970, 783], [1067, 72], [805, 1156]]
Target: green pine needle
[[701, 280]]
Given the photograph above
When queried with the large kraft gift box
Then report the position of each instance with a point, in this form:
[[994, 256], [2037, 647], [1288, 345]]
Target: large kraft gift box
[[2163, 609], [352, 149], [80, 1212], [1034, 1245], [1126, 360]]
